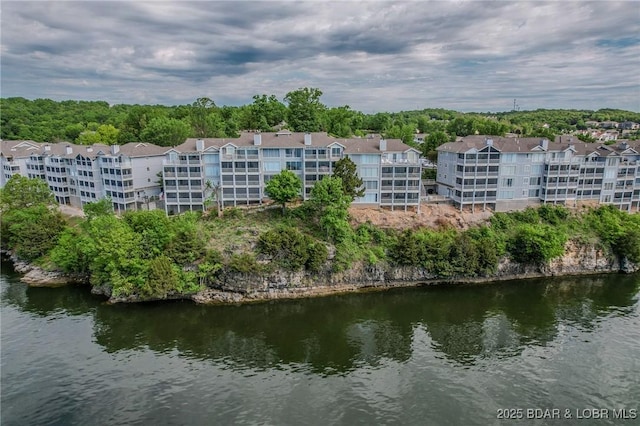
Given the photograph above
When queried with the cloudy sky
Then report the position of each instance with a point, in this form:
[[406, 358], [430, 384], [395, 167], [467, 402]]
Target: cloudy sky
[[374, 56]]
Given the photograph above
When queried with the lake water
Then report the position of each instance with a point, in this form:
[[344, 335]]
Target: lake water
[[448, 355]]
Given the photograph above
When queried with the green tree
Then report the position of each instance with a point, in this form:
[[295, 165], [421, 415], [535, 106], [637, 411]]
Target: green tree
[[305, 110], [340, 121], [460, 126], [116, 256], [205, 119], [22, 192], [284, 187], [266, 112], [155, 230], [187, 243], [162, 278], [70, 252], [331, 205], [103, 207], [164, 131], [32, 231], [433, 141], [105, 134], [72, 131], [136, 119], [352, 184], [404, 132]]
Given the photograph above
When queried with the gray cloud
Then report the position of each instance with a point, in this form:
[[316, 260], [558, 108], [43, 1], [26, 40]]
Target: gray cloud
[[374, 56]]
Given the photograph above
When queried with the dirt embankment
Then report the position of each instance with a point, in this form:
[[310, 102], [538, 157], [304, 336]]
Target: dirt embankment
[[430, 215]]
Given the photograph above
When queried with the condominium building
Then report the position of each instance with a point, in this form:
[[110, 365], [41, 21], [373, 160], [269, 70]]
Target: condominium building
[[131, 174], [501, 174], [13, 158], [237, 169], [77, 174], [193, 174]]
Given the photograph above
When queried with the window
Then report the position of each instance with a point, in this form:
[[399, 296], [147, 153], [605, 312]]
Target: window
[[335, 152], [371, 184], [506, 195], [508, 182], [369, 159], [508, 158], [368, 172], [293, 153], [508, 170], [270, 153], [294, 165], [271, 166], [608, 186], [370, 198]]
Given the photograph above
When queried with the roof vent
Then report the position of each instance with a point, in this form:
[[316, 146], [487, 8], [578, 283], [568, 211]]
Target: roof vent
[[69, 149], [307, 138], [200, 145], [383, 145], [115, 149], [257, 139], [489, 142]]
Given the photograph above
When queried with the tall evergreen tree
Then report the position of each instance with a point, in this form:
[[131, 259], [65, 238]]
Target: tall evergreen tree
[[352, 184]]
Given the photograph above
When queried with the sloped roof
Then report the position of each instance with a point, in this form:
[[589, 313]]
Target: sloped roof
[[516, 145], [142, 149], [18, 149], [296, 140]]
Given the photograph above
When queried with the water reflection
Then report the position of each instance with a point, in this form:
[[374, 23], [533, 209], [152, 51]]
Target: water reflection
[[334, 335]]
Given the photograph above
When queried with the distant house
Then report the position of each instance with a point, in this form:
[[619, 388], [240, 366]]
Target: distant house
[[628, 125], [609, 124]]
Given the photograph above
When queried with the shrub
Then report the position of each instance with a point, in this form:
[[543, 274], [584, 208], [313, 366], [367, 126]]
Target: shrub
[[528, 215], [290, 249], [162, 278], [553, 214], [536, 244], [32, 231], [244, 263], [287, 247], [318, 254]]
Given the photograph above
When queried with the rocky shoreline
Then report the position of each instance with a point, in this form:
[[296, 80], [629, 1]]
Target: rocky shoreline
[[235, 288], [35, 276]]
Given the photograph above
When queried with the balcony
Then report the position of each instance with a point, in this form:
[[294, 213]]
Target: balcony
[[181, 162]]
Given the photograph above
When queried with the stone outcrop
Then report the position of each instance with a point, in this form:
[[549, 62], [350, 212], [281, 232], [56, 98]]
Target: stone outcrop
[[578, 259], [36, 276], [242, 287]]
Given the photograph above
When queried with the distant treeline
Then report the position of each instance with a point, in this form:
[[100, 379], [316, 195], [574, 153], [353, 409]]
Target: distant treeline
[[88, 122]]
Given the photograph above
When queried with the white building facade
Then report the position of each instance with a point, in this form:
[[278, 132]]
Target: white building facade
[[502, 174], [236, 170], [77, 174]]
